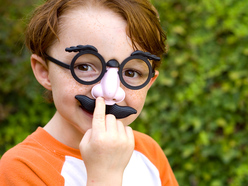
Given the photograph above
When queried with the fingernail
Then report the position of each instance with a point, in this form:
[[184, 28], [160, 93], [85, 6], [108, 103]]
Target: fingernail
[[100, 98]]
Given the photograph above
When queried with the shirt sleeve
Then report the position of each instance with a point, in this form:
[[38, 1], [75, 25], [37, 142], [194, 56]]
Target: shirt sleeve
[[166, 174]]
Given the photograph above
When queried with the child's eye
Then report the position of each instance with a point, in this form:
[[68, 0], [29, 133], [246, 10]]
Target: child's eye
[[84, 67], [132, 73]]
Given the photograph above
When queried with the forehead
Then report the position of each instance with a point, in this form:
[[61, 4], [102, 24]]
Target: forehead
[[95, 26]]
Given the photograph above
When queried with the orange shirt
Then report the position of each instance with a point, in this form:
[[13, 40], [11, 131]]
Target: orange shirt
[[42, 160]]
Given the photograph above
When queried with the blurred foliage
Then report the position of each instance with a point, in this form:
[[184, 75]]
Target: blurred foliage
[[198, 108], [22, 107]]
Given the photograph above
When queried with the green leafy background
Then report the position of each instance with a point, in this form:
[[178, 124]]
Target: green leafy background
[[198, 108]]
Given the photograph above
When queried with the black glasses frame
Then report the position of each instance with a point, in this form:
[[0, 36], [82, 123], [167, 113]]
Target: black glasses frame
[[89, 49]]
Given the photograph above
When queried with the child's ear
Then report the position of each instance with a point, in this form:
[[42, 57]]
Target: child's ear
[[154, 78], [40, 70]]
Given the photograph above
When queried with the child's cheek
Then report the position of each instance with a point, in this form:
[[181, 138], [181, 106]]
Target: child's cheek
[[136, 98]]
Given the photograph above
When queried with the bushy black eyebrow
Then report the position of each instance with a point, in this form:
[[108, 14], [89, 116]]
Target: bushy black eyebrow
[[79, 48], [146, 54]]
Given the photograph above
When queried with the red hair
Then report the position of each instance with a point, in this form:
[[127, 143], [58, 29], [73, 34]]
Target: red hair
[[143, 25]]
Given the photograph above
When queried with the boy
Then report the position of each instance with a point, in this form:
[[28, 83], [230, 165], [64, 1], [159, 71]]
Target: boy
[[98, 59]]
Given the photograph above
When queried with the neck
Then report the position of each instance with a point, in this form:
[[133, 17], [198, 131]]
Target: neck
[[63, 131]]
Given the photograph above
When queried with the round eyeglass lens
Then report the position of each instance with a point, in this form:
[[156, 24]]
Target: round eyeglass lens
[[135, 72], [87, 67]]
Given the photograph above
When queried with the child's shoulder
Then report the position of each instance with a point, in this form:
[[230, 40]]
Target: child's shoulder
[[28, 160], [148, 147], [145, 140], [30, 151], [15, 162], [21, 152]]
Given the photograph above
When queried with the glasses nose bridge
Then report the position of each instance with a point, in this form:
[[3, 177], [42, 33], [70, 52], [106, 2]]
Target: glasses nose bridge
[[113, 63], [109, 87]]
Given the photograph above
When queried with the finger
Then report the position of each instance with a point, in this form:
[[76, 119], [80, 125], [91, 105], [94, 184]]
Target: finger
[[120, 127], [111, 125], [98, 122], [86, 137], [85, 140], [129, 132]]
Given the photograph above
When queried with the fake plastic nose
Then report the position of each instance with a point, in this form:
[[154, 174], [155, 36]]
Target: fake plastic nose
[[109, 88]]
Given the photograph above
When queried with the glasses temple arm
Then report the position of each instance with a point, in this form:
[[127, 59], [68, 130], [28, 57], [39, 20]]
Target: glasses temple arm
[[57, 61]]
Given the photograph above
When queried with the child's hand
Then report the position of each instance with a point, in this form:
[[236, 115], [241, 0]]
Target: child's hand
[[106, 148]]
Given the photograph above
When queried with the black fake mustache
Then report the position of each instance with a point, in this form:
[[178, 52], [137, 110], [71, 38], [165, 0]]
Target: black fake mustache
[[118, 111]]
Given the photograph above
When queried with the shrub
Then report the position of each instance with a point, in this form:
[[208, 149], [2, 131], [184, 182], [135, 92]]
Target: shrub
[[198, 108]]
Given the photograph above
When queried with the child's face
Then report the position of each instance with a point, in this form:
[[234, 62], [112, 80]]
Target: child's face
[[107, 32]]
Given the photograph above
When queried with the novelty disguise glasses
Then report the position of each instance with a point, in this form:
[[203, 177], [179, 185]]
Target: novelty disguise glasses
[[88, 67]]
